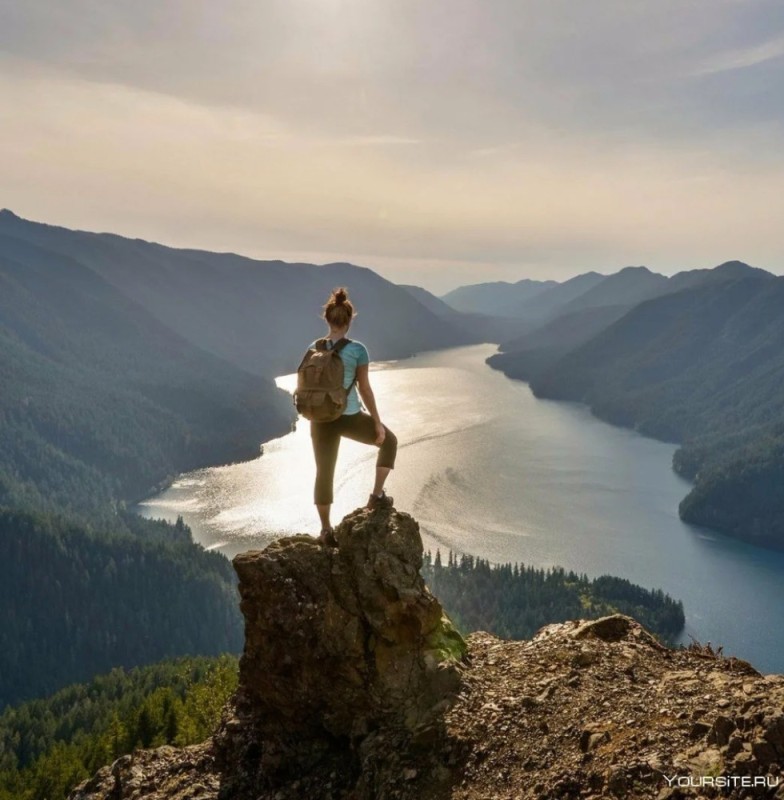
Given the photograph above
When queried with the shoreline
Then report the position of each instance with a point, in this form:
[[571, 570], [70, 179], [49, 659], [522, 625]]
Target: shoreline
[[168, 481], [763, 545]]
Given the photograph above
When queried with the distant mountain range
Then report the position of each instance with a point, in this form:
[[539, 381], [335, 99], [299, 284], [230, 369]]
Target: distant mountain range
[[540, 301], [557, 324], [549, 302], [499, 298], [474, 327]]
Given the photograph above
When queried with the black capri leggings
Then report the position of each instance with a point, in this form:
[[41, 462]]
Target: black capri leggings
[[326, 439]]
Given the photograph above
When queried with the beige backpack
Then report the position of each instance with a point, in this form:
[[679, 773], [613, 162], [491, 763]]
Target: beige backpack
[[320, 395]]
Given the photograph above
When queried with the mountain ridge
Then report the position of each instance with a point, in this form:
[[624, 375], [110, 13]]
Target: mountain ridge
[[495, 297], [73, 342], [187, 289], [565, 327]]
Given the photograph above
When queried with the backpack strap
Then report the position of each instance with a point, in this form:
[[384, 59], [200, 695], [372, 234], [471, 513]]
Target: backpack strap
[[321, 344], [340, 344]]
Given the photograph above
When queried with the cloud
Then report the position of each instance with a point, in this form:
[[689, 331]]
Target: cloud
[[463, 69], [744, 57], [504, 136]]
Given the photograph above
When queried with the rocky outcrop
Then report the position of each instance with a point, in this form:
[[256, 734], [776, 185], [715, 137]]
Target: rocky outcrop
[[346, 654], [355, 686], [599, 709]]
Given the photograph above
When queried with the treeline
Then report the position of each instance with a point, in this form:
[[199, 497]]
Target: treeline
[[48, 746], [738, 488], [77, 602], [513, 601]]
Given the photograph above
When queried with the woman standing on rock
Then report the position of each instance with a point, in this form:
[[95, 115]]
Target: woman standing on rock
[[353, 422]]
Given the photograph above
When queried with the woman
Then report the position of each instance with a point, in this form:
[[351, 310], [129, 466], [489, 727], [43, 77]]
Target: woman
[[354, 423]]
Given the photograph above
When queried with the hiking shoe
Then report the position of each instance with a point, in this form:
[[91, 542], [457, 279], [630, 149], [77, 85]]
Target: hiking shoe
[[374, 502], [327, 537]]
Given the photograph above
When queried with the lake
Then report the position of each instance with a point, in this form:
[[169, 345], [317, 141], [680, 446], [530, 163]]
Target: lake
[[491, 470]]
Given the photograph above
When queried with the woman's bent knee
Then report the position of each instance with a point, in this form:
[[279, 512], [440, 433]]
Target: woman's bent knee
[[388, 450]]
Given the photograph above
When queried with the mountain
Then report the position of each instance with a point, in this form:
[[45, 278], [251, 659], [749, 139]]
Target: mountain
[[498, 298], [703, 367], [429, 300], [527, 355], [728, 271], [577, 322], [572, 313], [546, 304], [627, 287], [475, 327], [541, 300], [562, 315], [354, 684], [539, 303], [100, 403], [257, 315], [100, 399]]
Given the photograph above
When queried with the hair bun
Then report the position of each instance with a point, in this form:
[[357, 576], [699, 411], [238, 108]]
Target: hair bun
[[339, 310]]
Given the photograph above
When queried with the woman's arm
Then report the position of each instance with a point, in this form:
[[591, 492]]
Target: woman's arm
[[366, 392]]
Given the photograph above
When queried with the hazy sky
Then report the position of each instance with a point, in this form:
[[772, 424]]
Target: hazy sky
[[438, 141]]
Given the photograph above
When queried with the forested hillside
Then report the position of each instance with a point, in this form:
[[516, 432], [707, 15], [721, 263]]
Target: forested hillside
[[100, 400], [513, 601], [79, 601], [703, 367], [49, 745]]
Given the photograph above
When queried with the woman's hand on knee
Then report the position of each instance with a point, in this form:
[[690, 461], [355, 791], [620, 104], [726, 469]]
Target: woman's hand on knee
[[380, 433]]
